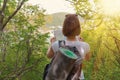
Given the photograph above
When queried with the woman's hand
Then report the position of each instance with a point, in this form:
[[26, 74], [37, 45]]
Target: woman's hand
[[50, 52], [80, 39], [53, 39]]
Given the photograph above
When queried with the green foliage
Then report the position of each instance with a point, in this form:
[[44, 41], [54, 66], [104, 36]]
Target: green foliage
[[102, 33], [22, 46], [83, 7]]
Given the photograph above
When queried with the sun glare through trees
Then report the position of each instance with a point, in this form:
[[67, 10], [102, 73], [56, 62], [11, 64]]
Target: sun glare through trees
[[110, 7]]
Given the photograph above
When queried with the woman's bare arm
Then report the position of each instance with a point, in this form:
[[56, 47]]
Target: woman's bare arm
[[50, 52], [87, 56]]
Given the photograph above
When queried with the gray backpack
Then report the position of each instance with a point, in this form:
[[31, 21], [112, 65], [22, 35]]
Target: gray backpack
[[63, 66]]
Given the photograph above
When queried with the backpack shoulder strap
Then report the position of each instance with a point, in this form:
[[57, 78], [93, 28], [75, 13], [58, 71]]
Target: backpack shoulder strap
[[61, 43]]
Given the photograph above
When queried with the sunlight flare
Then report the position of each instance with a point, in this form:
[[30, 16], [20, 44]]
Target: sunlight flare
[[110, 7]]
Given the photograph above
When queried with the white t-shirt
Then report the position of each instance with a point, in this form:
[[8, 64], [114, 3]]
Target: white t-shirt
[[82, 47]]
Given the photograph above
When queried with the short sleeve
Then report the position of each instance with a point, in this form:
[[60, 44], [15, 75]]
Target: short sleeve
[[87, 48], [83, 49]]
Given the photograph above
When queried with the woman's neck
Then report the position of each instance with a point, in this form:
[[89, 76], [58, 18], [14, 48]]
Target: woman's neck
[[72, 38]]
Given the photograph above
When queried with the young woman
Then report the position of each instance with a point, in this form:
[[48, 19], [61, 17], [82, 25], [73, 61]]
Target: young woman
[[71, 29]]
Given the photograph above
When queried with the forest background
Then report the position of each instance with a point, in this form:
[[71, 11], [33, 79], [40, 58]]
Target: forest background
[[23, 45]]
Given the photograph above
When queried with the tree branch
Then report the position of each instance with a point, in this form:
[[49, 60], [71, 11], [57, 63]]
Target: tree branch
[[4, 5], [14, 13], [117, 44], [22, 70], [2, 14], [109, 48]]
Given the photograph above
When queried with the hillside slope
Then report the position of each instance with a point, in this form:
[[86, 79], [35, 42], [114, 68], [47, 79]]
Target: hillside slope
[[56, 19]]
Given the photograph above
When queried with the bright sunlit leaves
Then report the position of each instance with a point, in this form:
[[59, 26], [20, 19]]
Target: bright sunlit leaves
[[110, 7]]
